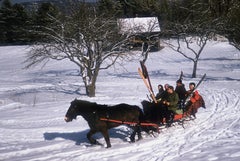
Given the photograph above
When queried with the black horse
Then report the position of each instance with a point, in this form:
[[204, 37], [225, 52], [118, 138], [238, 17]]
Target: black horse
[[93, 112]]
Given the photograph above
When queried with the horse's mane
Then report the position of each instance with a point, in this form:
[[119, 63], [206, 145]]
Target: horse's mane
[[99, 107], [85, 103]]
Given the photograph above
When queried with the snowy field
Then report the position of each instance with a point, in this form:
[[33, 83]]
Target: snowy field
[[33, 104]]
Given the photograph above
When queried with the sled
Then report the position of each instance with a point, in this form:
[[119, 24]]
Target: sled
[[156, 126]]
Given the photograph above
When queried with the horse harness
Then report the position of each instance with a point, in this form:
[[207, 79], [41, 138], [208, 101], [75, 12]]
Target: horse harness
[[91, 117], [127, 122]]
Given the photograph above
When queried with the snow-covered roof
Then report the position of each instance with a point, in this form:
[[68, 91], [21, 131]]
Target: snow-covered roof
[[139, 25]]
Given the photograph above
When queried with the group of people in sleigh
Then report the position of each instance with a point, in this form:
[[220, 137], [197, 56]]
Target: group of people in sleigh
[[172, 101]]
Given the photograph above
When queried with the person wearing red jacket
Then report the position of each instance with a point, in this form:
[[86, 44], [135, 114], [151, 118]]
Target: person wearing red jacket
[[195, 100], [194, 95]]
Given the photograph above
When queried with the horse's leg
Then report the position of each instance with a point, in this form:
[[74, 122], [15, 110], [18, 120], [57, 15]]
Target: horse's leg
[[139, 132], [136, 129], [132, 137], [90, 138], [106, 137]]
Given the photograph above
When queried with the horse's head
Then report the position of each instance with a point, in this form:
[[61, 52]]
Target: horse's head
[[72, 112]]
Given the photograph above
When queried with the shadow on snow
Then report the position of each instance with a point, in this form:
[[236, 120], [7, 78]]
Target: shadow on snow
[[81, 137]]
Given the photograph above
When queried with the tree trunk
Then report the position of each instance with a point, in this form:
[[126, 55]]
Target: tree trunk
[[90, 90], [90, 82], [194, 74]]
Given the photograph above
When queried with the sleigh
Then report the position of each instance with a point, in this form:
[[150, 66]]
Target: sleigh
[[148, 124]]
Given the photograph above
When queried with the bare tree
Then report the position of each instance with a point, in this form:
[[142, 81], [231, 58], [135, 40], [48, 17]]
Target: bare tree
[[191, 45], [152, 42], [89, 40], [192, 31]]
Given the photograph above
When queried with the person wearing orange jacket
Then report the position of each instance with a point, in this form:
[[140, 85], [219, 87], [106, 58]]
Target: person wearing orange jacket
[[194, 95], [195, 100]]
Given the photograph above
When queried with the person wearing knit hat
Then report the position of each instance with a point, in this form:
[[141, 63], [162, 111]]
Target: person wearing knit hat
[[181, 91], [179, 81]]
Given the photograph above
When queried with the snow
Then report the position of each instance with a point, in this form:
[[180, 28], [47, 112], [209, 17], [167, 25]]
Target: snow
[[33, 104]]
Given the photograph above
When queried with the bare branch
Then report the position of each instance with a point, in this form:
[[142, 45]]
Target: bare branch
[[92, 44]]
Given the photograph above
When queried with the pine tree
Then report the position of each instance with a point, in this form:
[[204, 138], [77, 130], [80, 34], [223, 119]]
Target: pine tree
[[13, 23], [6, 22], [45, 17]]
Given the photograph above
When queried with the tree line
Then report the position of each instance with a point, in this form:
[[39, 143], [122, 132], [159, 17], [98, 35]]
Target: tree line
[[18, 23]]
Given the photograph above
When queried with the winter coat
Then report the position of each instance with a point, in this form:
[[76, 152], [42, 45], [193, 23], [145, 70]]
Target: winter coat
[[195, 96], [193, 108], [159, 94], [181, 91], [173, 100]]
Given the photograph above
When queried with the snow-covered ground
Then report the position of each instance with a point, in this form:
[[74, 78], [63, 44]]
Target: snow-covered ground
[[33, 104]]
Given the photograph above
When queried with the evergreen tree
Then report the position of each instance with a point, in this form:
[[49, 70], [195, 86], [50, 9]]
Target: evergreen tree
[[233, 24], [110, 8], [45, 17], [130, 8], [21, 25], [6, 22], [226, 14], [13, 23]]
